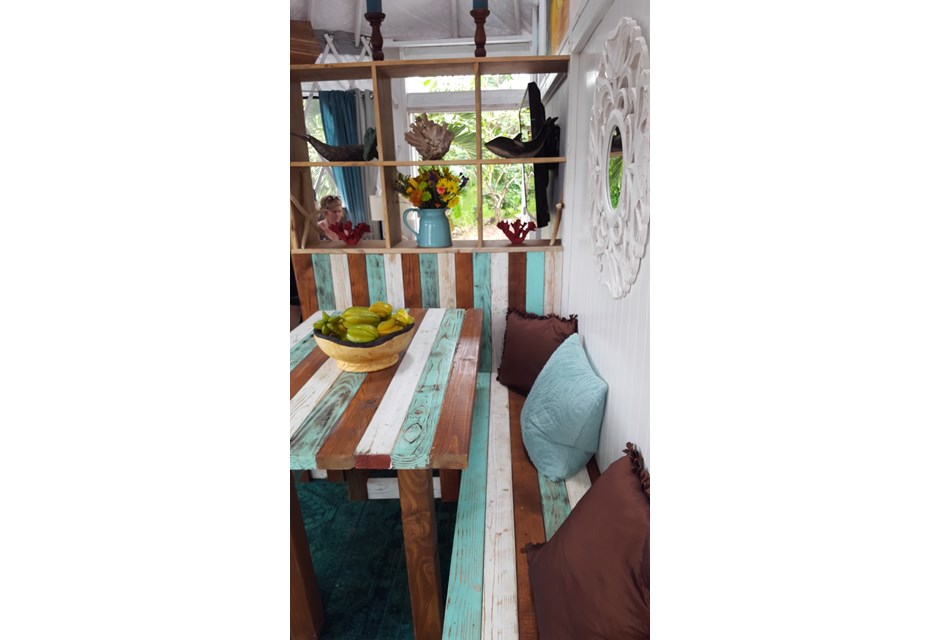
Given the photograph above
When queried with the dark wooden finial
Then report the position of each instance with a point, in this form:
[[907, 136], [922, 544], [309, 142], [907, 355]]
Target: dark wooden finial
[[479, 38], [375, 18]]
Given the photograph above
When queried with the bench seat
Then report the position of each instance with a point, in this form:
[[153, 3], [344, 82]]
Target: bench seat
[[504, 505]]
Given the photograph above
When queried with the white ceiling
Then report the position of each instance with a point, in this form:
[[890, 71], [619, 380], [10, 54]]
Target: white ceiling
[[418, 20]]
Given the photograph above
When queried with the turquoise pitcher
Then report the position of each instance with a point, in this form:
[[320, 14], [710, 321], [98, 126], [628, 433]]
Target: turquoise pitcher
[[433, 227]]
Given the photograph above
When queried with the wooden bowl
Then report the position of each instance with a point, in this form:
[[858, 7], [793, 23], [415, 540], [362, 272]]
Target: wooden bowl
[[361, 358]]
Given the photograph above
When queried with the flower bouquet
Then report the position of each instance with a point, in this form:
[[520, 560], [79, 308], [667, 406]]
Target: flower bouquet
[[432, 188]]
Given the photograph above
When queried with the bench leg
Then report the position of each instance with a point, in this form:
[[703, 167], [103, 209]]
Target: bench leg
[[306, 610], [450, 485], [419, 525], [356, 483]]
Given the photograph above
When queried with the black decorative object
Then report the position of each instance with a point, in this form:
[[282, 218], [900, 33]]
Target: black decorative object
[[515, 148], [549, 148], [345, 152]]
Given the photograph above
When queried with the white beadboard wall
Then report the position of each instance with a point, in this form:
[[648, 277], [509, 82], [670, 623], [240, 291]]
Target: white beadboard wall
[[615, 333]]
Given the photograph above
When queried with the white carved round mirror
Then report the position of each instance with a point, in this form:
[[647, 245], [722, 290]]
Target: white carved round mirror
[[614, 168], [619, 215]]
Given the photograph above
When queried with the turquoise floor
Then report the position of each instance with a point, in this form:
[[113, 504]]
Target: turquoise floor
[[357, 553]]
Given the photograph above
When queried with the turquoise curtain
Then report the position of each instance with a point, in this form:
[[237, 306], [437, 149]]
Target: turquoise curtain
[[339, 125]]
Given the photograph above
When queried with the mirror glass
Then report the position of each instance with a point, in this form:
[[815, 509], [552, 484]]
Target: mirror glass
[[614, 167]]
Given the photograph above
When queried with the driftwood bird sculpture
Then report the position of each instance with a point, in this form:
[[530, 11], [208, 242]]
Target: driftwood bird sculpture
[[345, 152], [515, 148]]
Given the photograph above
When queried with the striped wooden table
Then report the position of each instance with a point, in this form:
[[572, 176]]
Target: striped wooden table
[[414, 417]]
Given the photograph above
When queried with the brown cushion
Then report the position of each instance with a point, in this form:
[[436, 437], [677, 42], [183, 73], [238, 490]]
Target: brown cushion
[[529, 342], [592, 579]]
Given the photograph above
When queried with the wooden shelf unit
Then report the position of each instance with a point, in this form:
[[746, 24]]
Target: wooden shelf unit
[[381, 73]]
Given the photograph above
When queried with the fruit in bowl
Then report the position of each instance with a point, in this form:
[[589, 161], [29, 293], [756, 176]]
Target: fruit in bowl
[[363, 339]]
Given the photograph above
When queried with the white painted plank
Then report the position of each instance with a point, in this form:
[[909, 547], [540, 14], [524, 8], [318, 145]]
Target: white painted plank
[[577, 485], [499, 302], [306, 399], [387, 488], [393, 281], [447, 280], [557, 280], [500, 609], [382, 432], [342, 292], [301, 330]]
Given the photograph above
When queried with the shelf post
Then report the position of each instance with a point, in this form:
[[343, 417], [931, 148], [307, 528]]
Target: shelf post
[[479, 38], [375, 18]]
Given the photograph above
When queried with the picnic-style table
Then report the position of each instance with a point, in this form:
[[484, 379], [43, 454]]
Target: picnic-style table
[[414, 417]]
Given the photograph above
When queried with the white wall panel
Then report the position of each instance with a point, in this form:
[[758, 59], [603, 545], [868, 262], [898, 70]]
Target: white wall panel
[[616, 333]]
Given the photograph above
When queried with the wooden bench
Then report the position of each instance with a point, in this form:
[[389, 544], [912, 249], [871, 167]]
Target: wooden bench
[[504, 505]]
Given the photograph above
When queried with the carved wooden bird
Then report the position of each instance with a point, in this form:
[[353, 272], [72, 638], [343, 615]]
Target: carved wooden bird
[[345, 152], [515, 148]]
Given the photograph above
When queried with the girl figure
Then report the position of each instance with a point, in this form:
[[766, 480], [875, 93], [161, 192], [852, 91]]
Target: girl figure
[[331, 207]]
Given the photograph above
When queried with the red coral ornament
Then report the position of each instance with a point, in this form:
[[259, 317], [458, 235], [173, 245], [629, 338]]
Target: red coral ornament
[[347, 233], [517, 231]]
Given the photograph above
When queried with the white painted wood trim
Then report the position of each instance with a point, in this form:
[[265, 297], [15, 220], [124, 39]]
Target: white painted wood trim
[[499, 301], [306, 399], [387, 488], [447, 280], [342, 292], [500, 609], [382, 432], [577, 486], [393, 281]]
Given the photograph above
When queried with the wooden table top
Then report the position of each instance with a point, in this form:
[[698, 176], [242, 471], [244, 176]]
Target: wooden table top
[[414, 415]]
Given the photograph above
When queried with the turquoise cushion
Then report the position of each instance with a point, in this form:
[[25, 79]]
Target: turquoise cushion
[[561, 418]]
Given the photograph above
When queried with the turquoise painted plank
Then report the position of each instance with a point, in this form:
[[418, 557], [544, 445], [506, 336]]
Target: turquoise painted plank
[[302, 349], [430, 297], [464, 609], [535, 282], [555, 506], [481, 300], [412, 449], [323, 274], [375, 272], [310, 436]]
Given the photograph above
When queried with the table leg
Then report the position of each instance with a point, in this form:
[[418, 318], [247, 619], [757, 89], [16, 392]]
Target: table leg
[[450, 485], [424, 568], [306, 610]]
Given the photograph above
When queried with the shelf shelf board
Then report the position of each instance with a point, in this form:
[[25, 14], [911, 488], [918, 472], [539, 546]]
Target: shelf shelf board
[[431, 67], [410, 246], [331, 72], [427, 163]]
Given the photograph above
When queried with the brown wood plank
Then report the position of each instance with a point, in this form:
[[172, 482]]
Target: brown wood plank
[[527, 515], [419, 528], [451, 446], [450, 485], [339, 449], [304, 46], [305, 370], [593, 471], [411, 279], [356, 484], [516, 284], [306, 284], [463, 276], [335, 475], [358, 279], [306, 609]]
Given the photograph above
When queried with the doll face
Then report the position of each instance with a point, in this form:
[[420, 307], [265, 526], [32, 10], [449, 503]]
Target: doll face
[[333, 209]]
